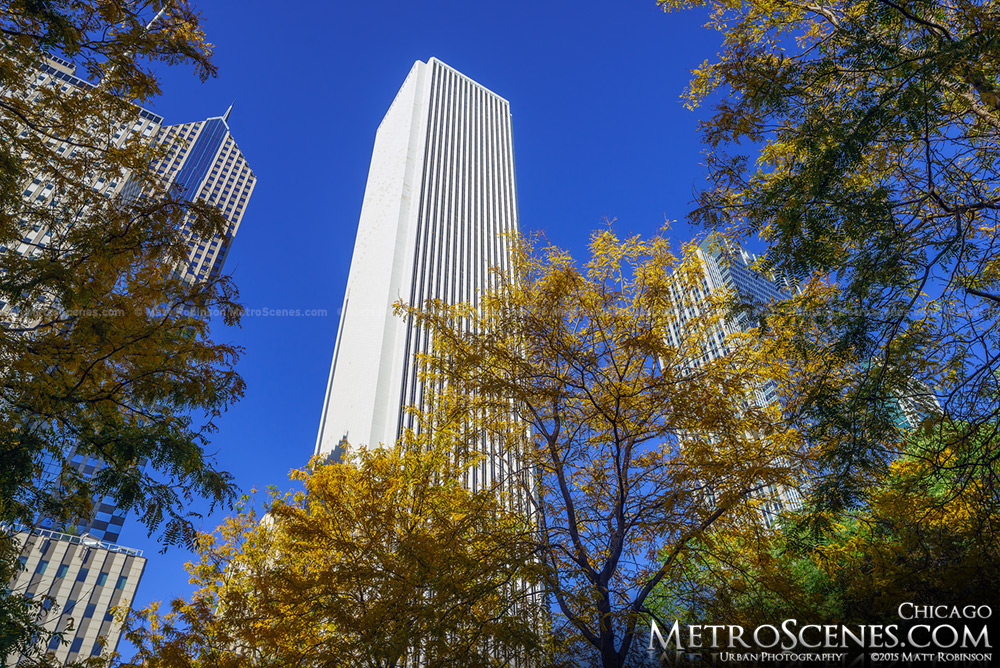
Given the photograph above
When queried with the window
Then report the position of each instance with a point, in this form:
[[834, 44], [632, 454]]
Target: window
[[84, 572], [40, 569], [121, 582], [102, 578], [77, 644], [89, 610], [54, 643], [97, 649]]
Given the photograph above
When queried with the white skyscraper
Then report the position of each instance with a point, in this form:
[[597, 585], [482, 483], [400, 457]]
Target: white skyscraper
[[440, 209]]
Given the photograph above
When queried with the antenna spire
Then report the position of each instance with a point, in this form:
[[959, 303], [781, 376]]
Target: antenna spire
[[225, 116]]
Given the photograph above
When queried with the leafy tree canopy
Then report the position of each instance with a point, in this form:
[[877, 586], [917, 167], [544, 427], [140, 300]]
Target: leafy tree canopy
[[384, 558], [927, 536], [104, 351], [641, 442], [859, 139]]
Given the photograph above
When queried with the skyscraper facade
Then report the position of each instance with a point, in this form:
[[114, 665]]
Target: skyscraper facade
[[439, 211], [52, 75], [79, 570], [204, 160], [727, 266]]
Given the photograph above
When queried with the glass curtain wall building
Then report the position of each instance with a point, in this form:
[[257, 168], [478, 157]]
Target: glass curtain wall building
[[206, 162]]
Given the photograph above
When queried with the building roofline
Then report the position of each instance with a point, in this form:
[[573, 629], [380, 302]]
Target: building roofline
[[433, 59]]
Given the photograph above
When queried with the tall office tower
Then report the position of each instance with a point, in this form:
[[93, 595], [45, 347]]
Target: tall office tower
[[205, 161], [83, 573], [79, 569], [202, 158], [55, 73], [728, 267], [439, 211]]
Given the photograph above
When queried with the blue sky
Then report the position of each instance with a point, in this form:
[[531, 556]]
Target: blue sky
[[599, 131]]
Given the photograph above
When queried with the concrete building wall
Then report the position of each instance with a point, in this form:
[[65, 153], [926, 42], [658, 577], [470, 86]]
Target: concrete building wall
[[79, 580], [439, 211]]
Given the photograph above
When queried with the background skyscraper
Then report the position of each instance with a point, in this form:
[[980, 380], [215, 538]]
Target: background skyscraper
[[440, 210], [57, 74], [79, 570], [205, 161], [728, 267]]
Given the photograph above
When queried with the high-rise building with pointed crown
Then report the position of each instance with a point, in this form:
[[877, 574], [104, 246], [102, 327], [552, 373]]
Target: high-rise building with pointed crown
[[206, 162], [78, 570]]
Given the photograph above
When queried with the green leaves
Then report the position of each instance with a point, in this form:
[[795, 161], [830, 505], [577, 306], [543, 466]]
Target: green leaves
[[103, 348], [926, 533], [640, 444]]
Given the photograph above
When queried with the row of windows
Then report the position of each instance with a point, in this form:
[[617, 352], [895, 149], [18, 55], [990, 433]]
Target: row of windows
[[75, 646], [466, 201], [63, 569]]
